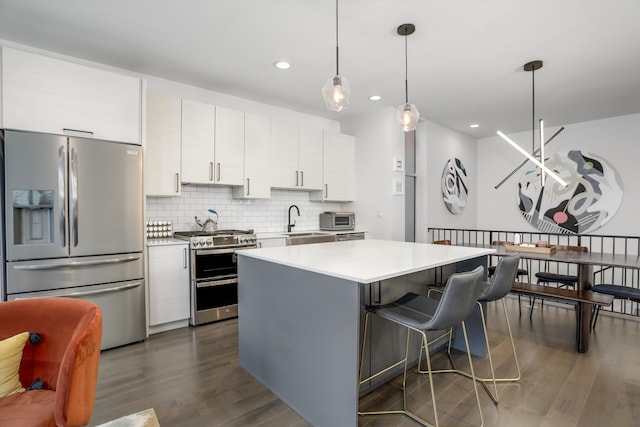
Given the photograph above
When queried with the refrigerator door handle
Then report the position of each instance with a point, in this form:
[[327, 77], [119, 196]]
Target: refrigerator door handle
[[62, 190], [76, 263], [74, 197], [101, 291]]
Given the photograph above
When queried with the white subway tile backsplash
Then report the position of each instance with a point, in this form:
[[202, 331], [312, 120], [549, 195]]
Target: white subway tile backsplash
[[268, 215]]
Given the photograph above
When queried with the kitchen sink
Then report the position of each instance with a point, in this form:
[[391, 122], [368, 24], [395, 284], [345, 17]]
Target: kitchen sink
[[304, 238]]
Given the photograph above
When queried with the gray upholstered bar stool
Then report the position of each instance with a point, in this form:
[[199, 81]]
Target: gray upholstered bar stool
[[418, 313], [505, 274]]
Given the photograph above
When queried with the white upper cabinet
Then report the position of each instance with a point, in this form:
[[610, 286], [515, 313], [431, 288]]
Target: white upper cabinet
[[257, 146], [310, 158], [162, 150], [338, 171], [296, 157], [212, 144], [49, 95], [229, 147], [198, 132]]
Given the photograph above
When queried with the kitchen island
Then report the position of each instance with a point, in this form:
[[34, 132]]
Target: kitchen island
[[300, 314]]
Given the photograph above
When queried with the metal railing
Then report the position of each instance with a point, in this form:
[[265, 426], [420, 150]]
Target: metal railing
[[626, 245]]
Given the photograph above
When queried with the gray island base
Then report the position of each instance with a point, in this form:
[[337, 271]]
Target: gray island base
[[300, 316]]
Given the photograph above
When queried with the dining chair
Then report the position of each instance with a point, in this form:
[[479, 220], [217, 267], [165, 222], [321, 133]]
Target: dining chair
[[420, 314], [618, 291], [561, 280], [495, 290]]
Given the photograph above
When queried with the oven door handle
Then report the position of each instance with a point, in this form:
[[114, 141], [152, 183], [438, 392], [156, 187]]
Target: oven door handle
[[215, 251], [216, 283]]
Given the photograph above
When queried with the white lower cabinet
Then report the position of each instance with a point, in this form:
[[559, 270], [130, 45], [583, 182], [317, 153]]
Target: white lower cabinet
[[168, 283], [272, 242]]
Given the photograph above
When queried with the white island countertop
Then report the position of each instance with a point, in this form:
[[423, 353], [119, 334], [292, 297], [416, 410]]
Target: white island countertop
[[366, 261]]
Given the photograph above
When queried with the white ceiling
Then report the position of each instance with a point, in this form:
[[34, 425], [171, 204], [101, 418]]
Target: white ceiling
[[465, 58]]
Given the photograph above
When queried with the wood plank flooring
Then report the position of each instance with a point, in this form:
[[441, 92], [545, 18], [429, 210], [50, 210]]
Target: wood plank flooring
[[191, 377]]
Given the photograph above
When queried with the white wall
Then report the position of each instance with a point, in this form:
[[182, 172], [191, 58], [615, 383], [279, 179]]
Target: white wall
[[443, 144], [378, 140], [617, 140]]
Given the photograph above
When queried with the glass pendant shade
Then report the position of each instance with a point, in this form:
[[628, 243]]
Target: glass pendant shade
[[408, 116], [336, 93]]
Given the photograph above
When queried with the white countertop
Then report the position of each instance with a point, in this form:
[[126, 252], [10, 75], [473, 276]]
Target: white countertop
[[365, 261]]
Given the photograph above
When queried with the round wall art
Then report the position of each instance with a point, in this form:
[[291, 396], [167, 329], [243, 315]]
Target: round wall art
[[455, 186], [592, 197]]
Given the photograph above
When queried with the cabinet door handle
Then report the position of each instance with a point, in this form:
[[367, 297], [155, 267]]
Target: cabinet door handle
[[301, 178], [248, 186], [67, 130], [219, 171], [177, 182], [326, 191], [296, 178], [185, 257], [259, 244], [210, 171]]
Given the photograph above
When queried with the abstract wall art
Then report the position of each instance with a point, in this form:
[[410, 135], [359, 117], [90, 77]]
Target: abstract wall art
[[455, 186], [591, 199]]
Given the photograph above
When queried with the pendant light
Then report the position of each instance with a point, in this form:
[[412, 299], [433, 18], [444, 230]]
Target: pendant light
[[532, 67], [336, 91], [407, 114]]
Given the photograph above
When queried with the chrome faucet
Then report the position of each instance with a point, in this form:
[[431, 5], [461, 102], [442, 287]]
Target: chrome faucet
[[289, 225]]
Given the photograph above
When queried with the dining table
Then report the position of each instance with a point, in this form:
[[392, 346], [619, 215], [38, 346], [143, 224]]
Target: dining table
[[585, 261]]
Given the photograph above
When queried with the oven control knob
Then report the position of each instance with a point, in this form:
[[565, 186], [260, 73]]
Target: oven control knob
[[209, 242], [194, 243]]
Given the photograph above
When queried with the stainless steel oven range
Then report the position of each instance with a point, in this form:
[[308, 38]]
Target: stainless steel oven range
[[214, 272]]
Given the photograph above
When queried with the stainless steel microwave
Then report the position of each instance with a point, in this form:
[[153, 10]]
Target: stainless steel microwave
[[334, 221]]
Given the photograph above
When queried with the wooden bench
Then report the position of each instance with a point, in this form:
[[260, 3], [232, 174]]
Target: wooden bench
[[563, 294], [583, 300]]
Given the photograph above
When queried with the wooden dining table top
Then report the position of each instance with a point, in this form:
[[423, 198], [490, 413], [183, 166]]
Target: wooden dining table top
[[588, 258]]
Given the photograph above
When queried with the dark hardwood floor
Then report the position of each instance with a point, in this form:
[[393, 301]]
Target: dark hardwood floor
[[191, 377]]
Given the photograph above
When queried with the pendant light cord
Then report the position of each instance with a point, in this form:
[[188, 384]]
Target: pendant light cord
[[337, 56], [406, 73], [533, 110]]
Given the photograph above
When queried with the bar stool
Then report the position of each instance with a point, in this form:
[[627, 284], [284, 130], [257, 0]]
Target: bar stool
[[417, 313], [505, 274]]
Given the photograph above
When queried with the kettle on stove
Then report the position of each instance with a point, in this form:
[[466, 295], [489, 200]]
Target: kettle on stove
[[209, 225]]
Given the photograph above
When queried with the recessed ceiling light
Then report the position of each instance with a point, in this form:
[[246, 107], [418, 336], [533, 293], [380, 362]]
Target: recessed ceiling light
[[282, 65], [375, 98], [474, 125]]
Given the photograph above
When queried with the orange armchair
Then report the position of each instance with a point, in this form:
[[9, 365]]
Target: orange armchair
[[66, 360]]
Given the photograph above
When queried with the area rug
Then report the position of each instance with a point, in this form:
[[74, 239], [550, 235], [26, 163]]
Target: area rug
[[146, 418]]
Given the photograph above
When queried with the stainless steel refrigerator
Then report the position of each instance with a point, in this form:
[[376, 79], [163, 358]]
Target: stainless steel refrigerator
[[73, 226]]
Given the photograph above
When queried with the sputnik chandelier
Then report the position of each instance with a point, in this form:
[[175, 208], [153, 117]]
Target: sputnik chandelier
[[532, 67]]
